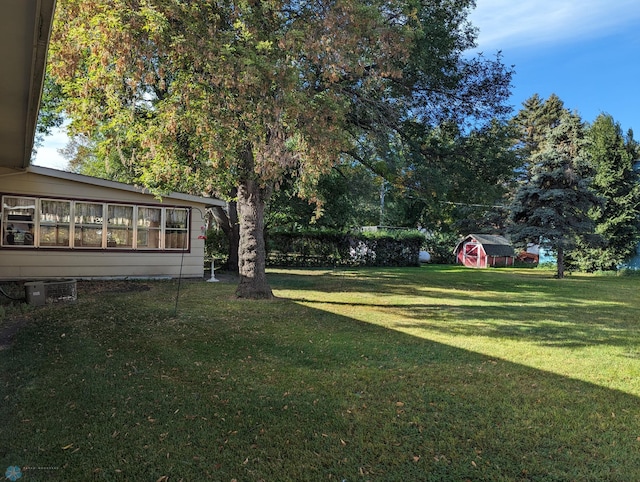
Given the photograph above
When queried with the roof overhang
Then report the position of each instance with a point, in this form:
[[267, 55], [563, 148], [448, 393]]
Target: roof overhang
[[25, 28], [94, 181]]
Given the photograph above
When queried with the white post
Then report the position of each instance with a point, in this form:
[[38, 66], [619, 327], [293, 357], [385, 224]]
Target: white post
[[213, 273]]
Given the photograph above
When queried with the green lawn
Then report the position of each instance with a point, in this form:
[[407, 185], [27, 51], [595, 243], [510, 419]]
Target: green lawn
[[433, 373]]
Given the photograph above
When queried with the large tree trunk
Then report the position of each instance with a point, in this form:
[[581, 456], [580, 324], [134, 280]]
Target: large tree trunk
[[252, 253], [560, 262]]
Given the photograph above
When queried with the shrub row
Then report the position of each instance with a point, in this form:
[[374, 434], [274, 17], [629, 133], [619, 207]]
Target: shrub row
[[336, 248]]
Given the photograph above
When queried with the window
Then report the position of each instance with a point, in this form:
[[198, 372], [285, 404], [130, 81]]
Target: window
[[18, 221], [175, 232], [64, 223], [149, 228], [55, 220], [89, 227], [120, 226]]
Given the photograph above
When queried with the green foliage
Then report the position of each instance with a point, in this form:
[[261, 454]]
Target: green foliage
[[440, 246], [215, 96], [50, 111], [552, 208], [386, 248], [12, 303], [347, 197], [340, 248], [216, 246], [532, 124], [310, 247], [182, 92], [449, 176], [609, 235], [617, 219]]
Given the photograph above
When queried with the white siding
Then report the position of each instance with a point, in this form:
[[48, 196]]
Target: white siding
[[36, 263]]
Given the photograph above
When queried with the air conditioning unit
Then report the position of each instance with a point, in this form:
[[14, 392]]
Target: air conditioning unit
[[39, 293]]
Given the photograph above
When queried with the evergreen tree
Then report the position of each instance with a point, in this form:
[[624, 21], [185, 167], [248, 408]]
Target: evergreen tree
[[532, 124], [632, 146], [617, 220], [552, 207]]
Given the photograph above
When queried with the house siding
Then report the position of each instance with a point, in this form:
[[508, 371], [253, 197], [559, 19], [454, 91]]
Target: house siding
[[54, 262]]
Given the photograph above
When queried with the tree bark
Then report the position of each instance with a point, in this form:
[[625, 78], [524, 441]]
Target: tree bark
[[252, 252], [560, 262]]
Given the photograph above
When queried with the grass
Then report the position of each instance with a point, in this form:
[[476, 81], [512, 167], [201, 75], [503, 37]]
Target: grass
[[436, 373]]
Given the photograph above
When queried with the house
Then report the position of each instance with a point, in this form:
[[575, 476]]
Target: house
[[56, 224], [484, 250], [60, 224]]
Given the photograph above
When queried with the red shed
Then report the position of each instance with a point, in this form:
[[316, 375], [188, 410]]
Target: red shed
[[484, 250]]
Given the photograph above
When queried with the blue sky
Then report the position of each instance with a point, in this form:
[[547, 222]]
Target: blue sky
[[587, 52]]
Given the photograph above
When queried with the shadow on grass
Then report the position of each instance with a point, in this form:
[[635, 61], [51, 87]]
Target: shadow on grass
[[569, 328], [242, 390], [505, 285], [503, 305]]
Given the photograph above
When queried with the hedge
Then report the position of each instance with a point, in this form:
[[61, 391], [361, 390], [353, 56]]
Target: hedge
[[321, 248]]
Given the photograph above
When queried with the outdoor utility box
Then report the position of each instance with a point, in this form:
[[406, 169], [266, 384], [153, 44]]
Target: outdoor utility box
[[39, 293], [35, 293]]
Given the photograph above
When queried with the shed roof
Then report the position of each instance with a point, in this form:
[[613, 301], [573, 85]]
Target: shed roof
[[492, 244]]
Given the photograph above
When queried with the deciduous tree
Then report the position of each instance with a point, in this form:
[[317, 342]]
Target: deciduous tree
[[238, 94]]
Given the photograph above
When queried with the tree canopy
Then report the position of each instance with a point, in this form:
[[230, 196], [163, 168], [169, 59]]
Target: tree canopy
[[237, 95], [532, 124], [552, 207], [617, 219]]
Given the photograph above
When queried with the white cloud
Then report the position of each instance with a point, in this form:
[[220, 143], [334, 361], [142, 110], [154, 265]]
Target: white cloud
[[530, 23], [48, 155]]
